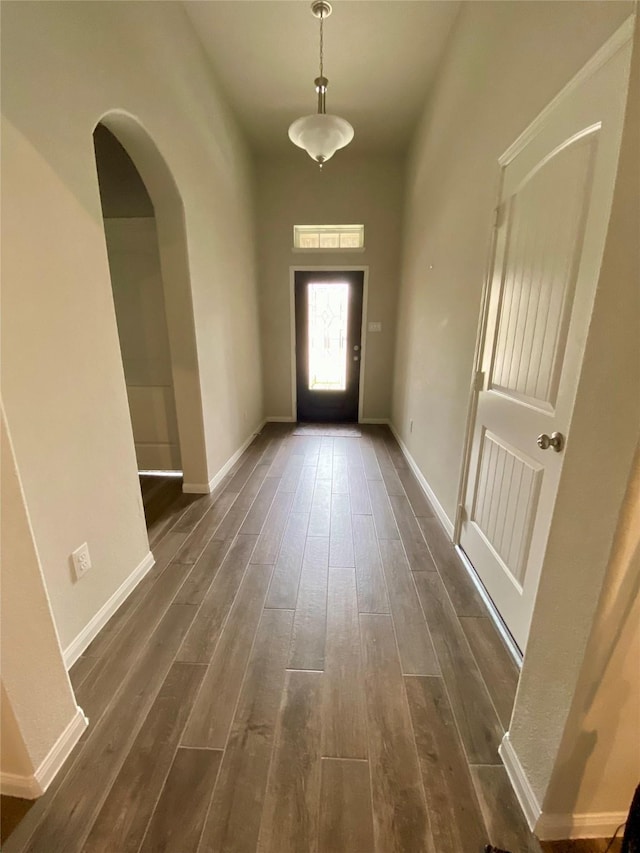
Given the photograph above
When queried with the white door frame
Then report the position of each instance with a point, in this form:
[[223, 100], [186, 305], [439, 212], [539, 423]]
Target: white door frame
[[363, 268], [476, 373], [608, 49]]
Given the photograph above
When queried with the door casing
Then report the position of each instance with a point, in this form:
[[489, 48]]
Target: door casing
[[364, 269]]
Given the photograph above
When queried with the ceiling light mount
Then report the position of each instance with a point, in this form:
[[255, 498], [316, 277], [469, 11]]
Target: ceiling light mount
[[321, 9], [321, 135]]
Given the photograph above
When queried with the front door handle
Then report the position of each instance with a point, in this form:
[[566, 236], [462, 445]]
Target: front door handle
[[555, 440]]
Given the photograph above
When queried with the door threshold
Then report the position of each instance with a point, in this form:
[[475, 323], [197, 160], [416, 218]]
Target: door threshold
[[331, 428]]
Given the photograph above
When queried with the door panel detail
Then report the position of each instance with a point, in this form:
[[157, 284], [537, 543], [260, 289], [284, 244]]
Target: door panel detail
[[505, 502], [545, 226]]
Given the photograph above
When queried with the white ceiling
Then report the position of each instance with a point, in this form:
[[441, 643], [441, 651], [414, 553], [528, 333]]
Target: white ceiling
[[380, 59]]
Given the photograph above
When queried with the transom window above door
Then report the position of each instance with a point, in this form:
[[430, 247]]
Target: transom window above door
[[328, 238]]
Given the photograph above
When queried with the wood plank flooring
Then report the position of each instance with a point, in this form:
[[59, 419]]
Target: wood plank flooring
[[306, 669]]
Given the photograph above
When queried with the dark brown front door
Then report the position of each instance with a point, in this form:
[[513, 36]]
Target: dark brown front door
[[328, 347]]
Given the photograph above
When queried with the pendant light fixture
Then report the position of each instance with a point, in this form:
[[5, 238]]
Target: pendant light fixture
[[322, 134]]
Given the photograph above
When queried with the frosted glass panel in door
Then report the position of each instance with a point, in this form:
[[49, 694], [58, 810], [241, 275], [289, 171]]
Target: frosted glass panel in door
[[328, 319]]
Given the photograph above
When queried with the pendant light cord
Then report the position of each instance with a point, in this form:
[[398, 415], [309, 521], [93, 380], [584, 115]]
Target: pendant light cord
[[321, 135], [322, 42]]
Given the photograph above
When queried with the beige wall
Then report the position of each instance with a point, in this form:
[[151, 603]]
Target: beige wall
[[134, 264], [37, 700], [504, 63], [14, 758], [598, 764], [350, 189], [65, 65]]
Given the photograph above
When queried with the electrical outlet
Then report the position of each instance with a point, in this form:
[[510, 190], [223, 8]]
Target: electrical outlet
[[411, 425], [81, 560]]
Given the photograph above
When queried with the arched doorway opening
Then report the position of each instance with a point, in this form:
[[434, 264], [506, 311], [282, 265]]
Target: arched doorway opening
[[146, 242], [138, 296]]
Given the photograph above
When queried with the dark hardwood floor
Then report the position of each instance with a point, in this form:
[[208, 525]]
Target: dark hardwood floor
[[307, 667]]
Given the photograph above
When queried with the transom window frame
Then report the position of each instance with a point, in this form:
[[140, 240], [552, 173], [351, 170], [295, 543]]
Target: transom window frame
[[341, 233]]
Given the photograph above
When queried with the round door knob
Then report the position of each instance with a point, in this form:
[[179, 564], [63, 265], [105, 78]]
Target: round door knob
[[555, 440], [356, 348]]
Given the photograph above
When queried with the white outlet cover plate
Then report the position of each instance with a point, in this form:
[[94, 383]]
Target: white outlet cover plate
[[81, 560], [375, 327]]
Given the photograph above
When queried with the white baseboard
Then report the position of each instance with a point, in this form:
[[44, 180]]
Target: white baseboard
[[77, 646], [519, 782], [34, 786], [556, 827], [13, 785], [373, 421], [199, 488], [207, 488], [62, 748], [426, 488]]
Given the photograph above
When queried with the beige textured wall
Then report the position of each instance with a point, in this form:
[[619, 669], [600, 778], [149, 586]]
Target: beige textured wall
[[350, 189], [64, 66], [35, 685], [14, 757], [598, 765], [504, 63]]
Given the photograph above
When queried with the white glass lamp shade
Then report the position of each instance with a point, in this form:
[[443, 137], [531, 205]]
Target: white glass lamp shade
[[321, 135]]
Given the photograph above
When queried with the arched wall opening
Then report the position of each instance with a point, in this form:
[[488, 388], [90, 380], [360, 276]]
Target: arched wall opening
[[162, 372], [138, 296]]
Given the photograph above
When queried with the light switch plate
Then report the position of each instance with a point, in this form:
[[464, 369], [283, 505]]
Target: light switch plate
[[375, 327]]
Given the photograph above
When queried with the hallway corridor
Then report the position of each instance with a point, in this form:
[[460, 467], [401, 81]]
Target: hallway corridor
[[307, 667]]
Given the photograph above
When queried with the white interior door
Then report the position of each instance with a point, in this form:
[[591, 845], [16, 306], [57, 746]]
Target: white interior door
[[556, 190]]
